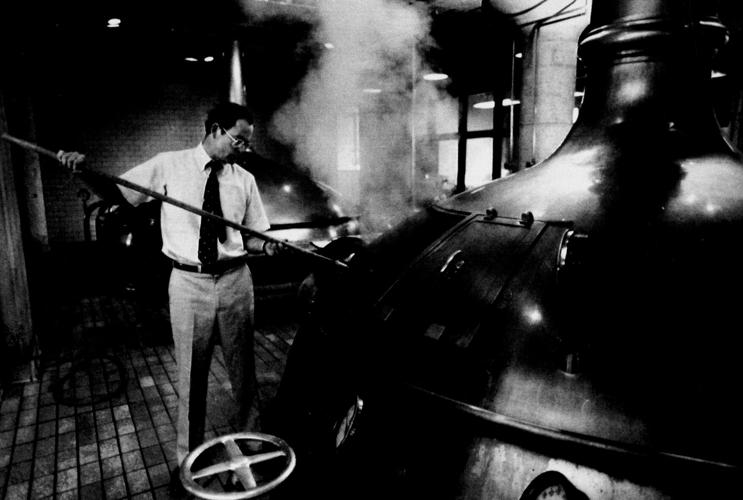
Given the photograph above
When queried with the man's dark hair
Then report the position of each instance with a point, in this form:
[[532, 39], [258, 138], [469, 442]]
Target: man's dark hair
[[226, 115]]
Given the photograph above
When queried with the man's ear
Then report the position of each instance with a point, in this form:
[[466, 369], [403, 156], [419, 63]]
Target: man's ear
[[215, 128]]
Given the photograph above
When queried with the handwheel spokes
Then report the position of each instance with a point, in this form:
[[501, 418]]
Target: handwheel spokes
[[263, 457], [246, 477], [241, 465], [220, 467], [244, 472], [237, 463]]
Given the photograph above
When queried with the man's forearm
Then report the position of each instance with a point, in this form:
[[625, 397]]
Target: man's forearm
[[254, 245]]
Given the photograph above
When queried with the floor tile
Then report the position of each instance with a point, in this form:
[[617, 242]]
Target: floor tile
[[115, 488], [111, 434], [17, 492], [66, 480], [111, 467], [42, 486], [92, 491], [90, 473]]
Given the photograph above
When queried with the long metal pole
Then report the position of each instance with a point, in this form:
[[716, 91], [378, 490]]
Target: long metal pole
[[167, 199], [413, 78]]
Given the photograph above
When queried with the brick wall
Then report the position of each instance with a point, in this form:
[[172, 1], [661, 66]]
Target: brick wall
[[116, 132]]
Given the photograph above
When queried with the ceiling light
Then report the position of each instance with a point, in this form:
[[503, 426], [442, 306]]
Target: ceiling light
[[484, 105], [208, 59], [370, 90], [510, 102], [114, 22], [518, 55], [433, 77], [191, 59], [328, 45], [718, 74]]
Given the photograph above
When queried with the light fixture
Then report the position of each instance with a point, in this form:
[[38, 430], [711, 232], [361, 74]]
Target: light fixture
[[484, 105], [434, 77], [191, 59], [328, 45], [208, 59], [510, 102], [371, 90], [718, 74], [114, 22], [518, 55]]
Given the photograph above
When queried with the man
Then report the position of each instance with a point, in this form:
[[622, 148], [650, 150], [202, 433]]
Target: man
[[210, 289]]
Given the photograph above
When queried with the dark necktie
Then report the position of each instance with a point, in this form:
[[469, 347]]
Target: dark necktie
[[210, 229]]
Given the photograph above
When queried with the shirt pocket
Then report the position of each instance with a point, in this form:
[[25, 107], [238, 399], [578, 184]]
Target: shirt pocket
[[234, 201]]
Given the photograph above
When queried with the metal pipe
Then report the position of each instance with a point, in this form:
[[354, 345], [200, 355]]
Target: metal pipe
[[564, 14], [413, 76], [237, 87], [511, 110], [167, 199]]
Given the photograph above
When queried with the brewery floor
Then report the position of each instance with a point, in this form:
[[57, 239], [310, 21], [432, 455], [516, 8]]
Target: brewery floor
[[96, 419]]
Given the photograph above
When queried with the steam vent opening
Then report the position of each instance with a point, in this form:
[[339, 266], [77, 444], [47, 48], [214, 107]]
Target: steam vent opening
[[501, 257]]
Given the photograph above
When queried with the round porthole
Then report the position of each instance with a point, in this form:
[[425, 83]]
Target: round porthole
[[552, 485]]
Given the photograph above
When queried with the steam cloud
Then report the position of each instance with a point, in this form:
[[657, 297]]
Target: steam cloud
[[375, 44]]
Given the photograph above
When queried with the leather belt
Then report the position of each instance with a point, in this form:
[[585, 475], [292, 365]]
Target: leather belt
[[219, 267]]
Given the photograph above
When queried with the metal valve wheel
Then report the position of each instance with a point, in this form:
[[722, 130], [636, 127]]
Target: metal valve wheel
[[239, 463]]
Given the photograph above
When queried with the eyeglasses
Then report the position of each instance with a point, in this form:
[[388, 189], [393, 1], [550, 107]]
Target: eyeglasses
[[236, 143]]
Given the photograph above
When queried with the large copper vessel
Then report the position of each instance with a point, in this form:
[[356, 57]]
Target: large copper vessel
[[579, 318]]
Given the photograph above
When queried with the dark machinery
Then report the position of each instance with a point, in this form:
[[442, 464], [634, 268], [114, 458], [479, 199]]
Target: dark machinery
[[569, 331]]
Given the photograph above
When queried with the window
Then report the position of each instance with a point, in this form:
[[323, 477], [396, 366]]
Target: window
[[475, 156], [475, 143]]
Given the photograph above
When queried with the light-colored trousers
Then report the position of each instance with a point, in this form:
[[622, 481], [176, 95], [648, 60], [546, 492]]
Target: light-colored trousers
[[205, 308]]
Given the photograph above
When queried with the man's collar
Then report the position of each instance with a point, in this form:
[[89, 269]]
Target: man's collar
[[201, 156]]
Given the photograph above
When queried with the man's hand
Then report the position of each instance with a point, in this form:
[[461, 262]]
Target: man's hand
[[70, 159], [272, 248]]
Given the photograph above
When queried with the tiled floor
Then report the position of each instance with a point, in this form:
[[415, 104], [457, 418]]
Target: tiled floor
[[98, 422]]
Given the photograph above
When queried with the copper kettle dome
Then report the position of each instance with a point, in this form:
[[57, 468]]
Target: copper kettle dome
[[581, 311], [636, 298]]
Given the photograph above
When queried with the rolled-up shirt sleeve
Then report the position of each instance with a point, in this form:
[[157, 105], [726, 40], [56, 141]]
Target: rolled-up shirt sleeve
[[149, 175], [255, 213]]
